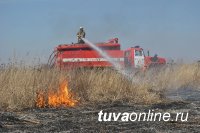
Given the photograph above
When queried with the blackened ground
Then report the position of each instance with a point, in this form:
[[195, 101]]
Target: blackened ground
[[85, 118]]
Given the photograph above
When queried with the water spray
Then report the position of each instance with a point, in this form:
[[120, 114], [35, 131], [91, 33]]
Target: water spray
[[116, 65]]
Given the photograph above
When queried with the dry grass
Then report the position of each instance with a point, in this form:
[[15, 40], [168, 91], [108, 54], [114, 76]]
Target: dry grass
[[19, 84]]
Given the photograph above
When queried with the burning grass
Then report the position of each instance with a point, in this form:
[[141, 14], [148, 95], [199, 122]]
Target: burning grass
[[21, 86], [56, 98]]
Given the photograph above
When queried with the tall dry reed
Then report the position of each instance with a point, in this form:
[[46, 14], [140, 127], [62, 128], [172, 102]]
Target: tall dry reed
[[19, 84]]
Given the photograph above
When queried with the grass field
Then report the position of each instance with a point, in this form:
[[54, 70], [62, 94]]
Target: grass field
[[19, 84], [97, 90]]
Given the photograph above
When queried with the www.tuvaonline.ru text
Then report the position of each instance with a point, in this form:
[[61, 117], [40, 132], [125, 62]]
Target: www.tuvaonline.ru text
[[151, 115]]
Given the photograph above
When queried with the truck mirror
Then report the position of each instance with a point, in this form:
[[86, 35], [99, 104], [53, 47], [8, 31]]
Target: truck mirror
[[148, 53]]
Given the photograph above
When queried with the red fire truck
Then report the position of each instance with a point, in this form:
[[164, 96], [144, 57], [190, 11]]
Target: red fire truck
[[82, 55]]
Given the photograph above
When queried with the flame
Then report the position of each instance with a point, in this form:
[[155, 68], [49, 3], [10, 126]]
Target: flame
[[61, 97], [40, 100]]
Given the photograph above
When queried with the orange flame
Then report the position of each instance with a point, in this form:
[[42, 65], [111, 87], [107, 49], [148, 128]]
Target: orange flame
[[40, 100], [62, 97]]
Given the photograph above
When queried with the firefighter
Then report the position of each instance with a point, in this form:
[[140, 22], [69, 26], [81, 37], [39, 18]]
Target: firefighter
[[80, 35]]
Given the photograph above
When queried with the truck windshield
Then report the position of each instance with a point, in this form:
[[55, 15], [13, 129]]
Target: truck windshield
[[138, 53]]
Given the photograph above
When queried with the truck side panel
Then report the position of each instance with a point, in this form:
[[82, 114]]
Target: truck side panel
[[88, 58]]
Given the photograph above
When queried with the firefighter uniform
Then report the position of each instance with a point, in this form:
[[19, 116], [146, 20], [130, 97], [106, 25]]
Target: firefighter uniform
[[80, 35]]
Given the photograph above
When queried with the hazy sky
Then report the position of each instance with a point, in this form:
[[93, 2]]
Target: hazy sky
[[170, 28]]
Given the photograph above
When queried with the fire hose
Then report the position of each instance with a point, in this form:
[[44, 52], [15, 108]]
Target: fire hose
[[51, 60]]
